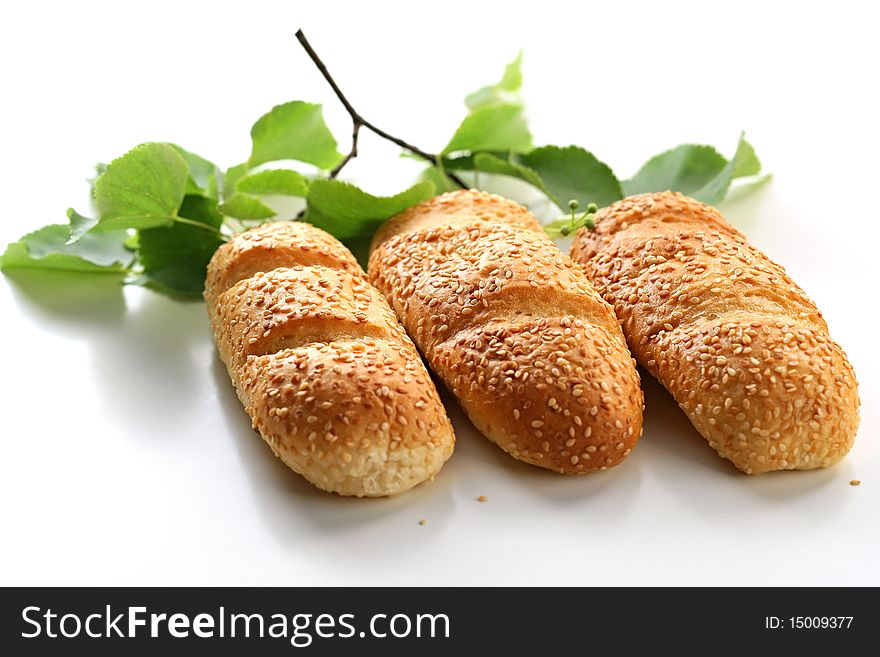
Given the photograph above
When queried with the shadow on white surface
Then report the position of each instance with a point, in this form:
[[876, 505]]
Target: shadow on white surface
[[284, 497], [671, 440], [148, 358], [144, 347], [477, 467], [80, 304], [558, 490], [673, 446], [157, 374]]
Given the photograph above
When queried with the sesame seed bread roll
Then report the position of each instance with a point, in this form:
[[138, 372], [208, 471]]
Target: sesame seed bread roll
[[515, 330], [322, 365], [740, 346]]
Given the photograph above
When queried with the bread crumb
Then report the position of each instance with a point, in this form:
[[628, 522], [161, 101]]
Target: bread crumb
[[423, 521], [482, 498], [855, 482]]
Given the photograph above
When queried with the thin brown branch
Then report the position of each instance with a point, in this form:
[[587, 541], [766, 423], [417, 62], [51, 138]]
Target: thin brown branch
[[359, 121], [354, 149]]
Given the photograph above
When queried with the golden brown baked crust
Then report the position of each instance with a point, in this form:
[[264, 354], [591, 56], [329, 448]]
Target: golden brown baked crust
[[515, 330], [740, 346], [279, 244], [322, 365]]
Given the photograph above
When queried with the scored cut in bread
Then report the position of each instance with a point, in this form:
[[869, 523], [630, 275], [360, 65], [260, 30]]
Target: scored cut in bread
[[514, 329], [742, 349], [321, 363]]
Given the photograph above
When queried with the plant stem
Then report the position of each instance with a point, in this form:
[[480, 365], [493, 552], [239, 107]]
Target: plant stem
[[198, 224], [359, 121]]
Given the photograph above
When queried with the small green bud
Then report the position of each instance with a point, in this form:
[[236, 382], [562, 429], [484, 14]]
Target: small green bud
[[590, 223], [592, 207], [573, 205], [564, 231]]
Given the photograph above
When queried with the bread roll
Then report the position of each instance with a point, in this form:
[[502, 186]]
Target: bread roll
[[329, 377], [739, 345], [515, 330]]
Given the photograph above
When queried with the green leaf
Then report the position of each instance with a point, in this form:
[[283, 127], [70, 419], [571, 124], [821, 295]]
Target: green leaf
[[747, 162], [141, 189], [433, 175], [201, 209], [47, 248], [294, 131], [499, 127], [79, 225], [695, 170], [510, 167], [346, 211], [504, 91], [132, 242], [204, 176], [275, 181], [741, 188], [744, 161], [175, 258], [242, 206], [753, 182], [574, 173], [360, 249], [512, 78], [466, 162], [100, 168], [232, 177], [561, 173], [686, 169]]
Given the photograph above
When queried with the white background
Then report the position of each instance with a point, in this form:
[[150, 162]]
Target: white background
[[126, 458]]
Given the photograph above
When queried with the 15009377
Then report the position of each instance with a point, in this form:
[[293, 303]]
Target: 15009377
[[808, 622]]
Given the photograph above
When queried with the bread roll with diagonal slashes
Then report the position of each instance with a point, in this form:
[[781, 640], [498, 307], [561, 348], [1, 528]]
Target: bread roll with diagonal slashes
[[740, 346], [515, 330], [322, 365]]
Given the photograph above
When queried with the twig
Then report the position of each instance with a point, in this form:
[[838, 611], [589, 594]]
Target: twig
[[353, 153], [359, 121]]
